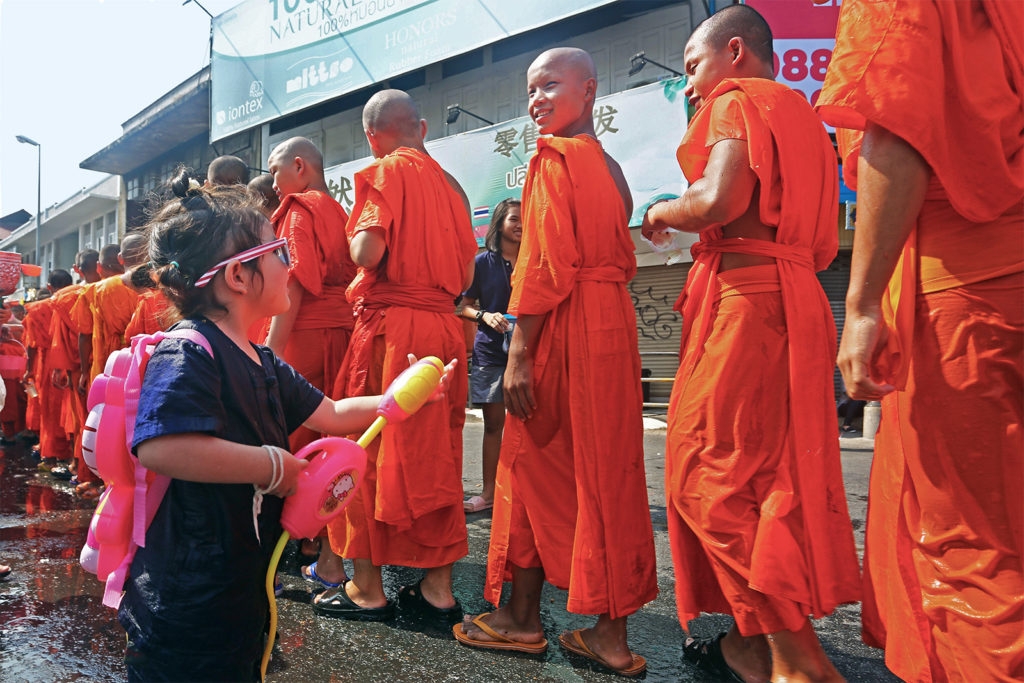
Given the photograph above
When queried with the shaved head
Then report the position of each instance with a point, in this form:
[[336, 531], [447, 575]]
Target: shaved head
[[109, 262], [134, 249], [298, 147], [570, 60], [227, 170], [737, 21], [393, 113]]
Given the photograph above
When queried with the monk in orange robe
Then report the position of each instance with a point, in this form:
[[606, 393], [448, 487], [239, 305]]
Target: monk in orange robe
[[757, 513], [313, 335], [12, 415], [54, 446], [408, 510], [571, 494], [104, 308], [66, 364], [153, 313], [934, 325]]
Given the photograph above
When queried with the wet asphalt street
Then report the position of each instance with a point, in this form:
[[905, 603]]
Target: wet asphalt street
[[54, 628]]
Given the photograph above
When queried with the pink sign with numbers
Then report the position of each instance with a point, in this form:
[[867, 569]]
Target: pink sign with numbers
[[804, 35]]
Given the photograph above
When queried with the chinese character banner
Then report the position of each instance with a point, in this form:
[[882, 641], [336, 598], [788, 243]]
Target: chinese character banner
[[274, 57], [639, 128]]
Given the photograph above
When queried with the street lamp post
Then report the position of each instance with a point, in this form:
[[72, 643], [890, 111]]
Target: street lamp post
[[39, 190]]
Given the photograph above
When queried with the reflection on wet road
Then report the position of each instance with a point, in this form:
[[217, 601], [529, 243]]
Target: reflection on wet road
[[53, 626]]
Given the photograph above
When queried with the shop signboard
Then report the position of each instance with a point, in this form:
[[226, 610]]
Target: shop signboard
[[804, 34], [639, 128], [274, 57]]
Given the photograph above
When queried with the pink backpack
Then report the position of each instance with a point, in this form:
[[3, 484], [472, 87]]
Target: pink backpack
[[133, 493]]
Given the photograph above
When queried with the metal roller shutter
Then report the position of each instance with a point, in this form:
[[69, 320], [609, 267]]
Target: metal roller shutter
[[654, 291]]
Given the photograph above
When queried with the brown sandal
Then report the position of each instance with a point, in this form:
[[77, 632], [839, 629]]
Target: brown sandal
[[573, 642]]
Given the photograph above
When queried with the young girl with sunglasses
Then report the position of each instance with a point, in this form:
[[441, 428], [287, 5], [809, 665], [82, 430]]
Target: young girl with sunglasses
[[194, 607]]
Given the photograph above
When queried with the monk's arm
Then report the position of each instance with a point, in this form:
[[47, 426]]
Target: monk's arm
[[891, 182], [205, 458], [719, 197], [367, 248], [518, 383], [85, 355], [281, 324], [30, 351], [344, 416]]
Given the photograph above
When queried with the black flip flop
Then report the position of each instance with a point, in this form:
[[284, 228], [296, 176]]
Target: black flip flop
[[706, 654], [411, 599], [334, 602]]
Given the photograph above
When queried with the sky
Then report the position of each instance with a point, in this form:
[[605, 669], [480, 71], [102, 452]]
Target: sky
[[72, 71]]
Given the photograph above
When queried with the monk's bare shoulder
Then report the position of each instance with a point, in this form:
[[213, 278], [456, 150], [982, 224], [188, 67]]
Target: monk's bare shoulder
[[620, 182], [458, 188]]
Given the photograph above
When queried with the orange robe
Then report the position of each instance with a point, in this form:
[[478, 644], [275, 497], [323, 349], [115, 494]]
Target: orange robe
[[756, 507], [571, 491], [103, 310], [314, 225], [409, 509], [12, 416], [65, 359], [153, 313], [944, 584], [53, 442]]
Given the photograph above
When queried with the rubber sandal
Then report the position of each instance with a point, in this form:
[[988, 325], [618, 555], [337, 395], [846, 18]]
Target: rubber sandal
[[334, 602], [5, 571], [706, 654], [410, 598], [313, 577], [573, 642], [278, 586], [476, 504], [500, 642], [62, 473]]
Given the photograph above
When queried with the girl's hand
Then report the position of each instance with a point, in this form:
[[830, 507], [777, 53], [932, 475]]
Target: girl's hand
[[446, 378], [292, 469]]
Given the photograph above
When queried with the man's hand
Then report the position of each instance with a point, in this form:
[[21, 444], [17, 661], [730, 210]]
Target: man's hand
[[497, 321], [864, 335], [83, 383], [518, 383], [652, 223], [292, 469]]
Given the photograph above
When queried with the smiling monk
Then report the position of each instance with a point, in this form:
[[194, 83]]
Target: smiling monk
[[571, 497], [934, 324], [756, 508]]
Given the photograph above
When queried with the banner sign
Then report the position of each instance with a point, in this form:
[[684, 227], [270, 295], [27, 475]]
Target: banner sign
[[804, 36], [274, 57], [639, 128]]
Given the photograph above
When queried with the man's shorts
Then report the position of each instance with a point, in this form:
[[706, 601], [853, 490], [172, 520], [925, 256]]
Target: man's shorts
[[485, 384]]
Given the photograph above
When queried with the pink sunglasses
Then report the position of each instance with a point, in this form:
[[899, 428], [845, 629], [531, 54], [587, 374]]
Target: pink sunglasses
[[278, 247]]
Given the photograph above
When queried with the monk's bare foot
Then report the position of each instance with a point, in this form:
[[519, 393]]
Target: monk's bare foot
[[749, 657], [502, 622], [608, 644]]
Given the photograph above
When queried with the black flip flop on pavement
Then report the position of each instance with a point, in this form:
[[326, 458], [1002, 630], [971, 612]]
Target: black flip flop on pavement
[[334, 602], [411, 600]]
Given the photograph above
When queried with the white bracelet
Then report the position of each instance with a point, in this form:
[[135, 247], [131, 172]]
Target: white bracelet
[[276, 456]]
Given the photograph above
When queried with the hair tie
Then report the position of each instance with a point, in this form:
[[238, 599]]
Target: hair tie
[[175, 265]]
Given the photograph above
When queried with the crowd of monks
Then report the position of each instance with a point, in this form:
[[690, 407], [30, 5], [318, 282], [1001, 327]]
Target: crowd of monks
[[926, 98]]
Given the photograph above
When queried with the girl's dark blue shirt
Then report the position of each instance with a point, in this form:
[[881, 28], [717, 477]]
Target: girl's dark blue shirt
[[197, 585], [492, 288]]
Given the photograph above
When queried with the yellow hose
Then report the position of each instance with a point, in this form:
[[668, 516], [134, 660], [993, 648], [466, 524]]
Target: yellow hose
[[369, 435], [272, 599]]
